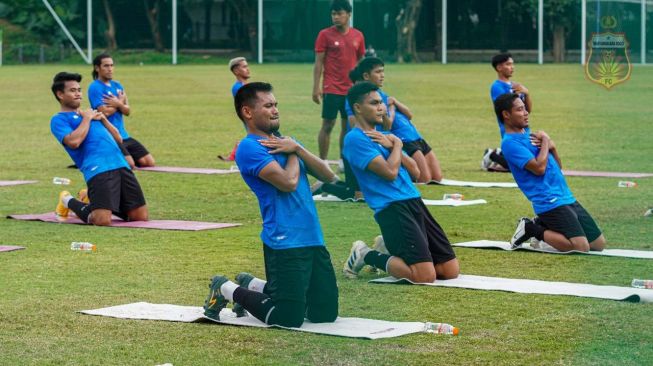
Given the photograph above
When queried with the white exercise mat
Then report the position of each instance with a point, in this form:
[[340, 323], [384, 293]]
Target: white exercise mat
[[489, 244], [537, 287], [449, 202], [343, 327], [461, 183]]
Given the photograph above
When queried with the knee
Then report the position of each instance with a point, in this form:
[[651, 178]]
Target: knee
[[139, 216], [598, 244], [424, 177], [289, 320], [323, 314], [423, 277], [449, 270], [582, 246], [102, 220], [327, 125]]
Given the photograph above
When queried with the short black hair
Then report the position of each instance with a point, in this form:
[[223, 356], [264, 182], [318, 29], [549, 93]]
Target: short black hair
[[338, 5], [504, 102], [368, 64], [500, 58], [246, 95], [97, 61], [356, 92], [355, 76], [59, 82]]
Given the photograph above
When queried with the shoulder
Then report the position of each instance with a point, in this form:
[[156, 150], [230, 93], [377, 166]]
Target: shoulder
[[94, 85], [356, 32]]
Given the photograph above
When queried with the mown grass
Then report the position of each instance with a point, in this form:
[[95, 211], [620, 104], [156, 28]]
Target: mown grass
[[184, 115]]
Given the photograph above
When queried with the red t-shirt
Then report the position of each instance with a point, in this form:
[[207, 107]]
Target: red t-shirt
[[341, 53]]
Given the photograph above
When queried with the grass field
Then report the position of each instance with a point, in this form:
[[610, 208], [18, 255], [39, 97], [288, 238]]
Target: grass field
[[184, 115]]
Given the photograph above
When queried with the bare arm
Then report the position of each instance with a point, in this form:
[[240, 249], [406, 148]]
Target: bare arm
[[386, 169], [520, 88], [74, 139], [538, 165], [317, 75], [389, 118], [314, 165], [112, 129], [283, 179], [411, 166], [113, 104], [402, 108]]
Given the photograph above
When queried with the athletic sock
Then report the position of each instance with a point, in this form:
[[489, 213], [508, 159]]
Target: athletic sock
[[256, 284], [377, 260], [227, 290], [80, 209], [258, 304], [534, 230], [66, 200]]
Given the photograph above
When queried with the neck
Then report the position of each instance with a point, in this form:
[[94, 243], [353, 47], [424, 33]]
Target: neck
[[364, 125], [343, 28], [103, 79], [65, 108], [513, 129], [242, 79], [257, 132], [504, 78]]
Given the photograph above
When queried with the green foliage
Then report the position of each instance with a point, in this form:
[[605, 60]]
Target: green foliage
[[184, 115]]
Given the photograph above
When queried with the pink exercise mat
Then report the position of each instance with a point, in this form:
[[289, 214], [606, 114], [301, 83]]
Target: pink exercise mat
[[175, 169], [5, 183], [152, 224], [9, 248], [581, 173]]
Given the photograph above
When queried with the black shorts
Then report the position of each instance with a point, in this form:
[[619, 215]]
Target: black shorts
[[133, 147], [303, 276], [116, 190], [571, 221], [418, 145], [350, 178], [412, 234], [332, 104]]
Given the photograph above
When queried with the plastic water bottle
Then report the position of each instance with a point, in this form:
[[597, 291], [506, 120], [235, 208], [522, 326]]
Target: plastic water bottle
[[61, 181], [83, 246], [453, 196], [649, 212], [626, 184], [642, 283], [440, 328]]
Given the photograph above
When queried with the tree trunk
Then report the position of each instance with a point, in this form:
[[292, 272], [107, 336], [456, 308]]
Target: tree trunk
[[208, 4], [110, 33], [559, 47], [406, 22], [153, 19]]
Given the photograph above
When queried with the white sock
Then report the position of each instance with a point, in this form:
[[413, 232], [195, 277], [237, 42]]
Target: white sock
[[66, 199], [256, 284], [227, 289]]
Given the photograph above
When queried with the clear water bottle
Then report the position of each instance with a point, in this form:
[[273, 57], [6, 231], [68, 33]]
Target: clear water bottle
[[649, 212], [83, 246], [626, 184], [440, 328], [453, 196], [642, 283], [61, 181]]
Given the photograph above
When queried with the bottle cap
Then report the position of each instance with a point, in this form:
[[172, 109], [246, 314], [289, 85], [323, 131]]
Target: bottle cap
[[456, 331]]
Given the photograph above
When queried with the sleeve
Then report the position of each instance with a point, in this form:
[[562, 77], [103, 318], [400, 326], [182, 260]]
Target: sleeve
[[495, 91], [95, 95], [361, 46], [252, 157], [350, 112], [516, 153], [321, 42], [360, 152], [59, 128]]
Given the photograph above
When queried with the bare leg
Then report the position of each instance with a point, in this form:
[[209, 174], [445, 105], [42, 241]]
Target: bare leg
[[130, 161], [448, 270], [145, 161], [100, 217], [561, 243], [138, 214], [423, 272], [434, 166], [324, 137], [598, 244], [343, 131], [424, 172]]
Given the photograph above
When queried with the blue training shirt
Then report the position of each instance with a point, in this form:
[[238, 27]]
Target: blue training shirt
[[97, 154], [237, 85], [402, 127], [546, 191], [498, 88], [289, 219], [97, 91], [359, 151]]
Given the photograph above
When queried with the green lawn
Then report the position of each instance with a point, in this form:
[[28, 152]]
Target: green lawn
[[184, 115]]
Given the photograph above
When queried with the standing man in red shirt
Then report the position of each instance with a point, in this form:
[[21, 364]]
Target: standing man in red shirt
[[337, 50]]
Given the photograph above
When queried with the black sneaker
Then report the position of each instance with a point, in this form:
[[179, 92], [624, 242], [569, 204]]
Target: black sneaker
[[521, 234]]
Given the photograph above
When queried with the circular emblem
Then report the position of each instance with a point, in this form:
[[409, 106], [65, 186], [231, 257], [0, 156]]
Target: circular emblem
[[336, 43], [608, 22]]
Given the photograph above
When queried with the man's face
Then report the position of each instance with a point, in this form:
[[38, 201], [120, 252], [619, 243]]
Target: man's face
[[264, 113], [340, 18], [506, 69], [105, 70], [518, 116], [371, 109], [376, 76], [242, 70], [71, 96]]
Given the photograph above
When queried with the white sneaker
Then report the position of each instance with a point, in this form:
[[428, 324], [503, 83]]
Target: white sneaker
[[485, 162], [520, 234], [379, 245], [542, 245], [355, 262]]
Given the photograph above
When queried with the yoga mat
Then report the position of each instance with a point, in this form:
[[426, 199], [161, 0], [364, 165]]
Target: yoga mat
[[116, 222], [9, 248], [343, 327], [489, 244], [524, 286], [460, 183], [5, 183], [173, 169], [581, 173], [452, 203]]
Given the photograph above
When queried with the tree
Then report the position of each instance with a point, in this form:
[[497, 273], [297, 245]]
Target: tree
[[34, 17], [152, 12], [406, 22], [110, 32]]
